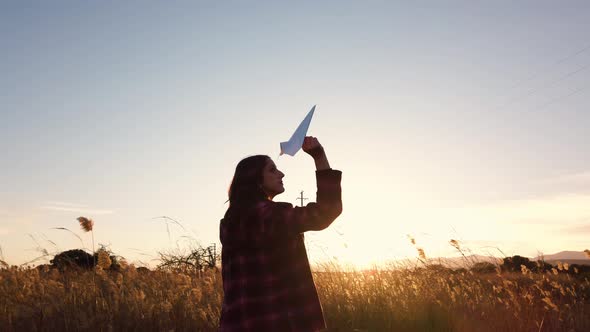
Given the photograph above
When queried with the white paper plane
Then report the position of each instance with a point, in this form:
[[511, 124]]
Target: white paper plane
[[293, 145]]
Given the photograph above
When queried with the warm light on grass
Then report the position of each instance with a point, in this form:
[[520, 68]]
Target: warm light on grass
[[425, 298]]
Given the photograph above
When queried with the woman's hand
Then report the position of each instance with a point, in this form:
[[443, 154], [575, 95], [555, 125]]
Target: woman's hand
[[312, 146]]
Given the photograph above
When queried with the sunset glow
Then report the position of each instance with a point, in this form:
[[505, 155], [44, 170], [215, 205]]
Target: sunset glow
[[466, 122]]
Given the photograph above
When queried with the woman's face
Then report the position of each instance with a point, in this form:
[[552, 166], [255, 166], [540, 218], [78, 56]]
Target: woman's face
[[272, 183]]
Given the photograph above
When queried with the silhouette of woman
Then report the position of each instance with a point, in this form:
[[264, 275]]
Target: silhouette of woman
[[267, 281]]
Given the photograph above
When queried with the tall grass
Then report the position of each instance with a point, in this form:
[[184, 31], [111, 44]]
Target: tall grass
[[424, 297], [429, 298], [130, 300], [432, 298]]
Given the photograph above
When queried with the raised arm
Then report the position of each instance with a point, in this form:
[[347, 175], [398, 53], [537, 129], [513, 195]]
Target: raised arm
[[270, 221], [312, 146], [283, 218]]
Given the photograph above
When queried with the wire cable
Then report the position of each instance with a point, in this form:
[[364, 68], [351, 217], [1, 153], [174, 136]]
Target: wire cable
[[535, 74], [552, 101], [548, 84]]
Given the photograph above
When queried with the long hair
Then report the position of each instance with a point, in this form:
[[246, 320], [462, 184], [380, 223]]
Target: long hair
[[246, 184]]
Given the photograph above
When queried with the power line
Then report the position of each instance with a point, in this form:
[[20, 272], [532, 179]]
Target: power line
[[535, 74], [550, 83], [562, 97], [547, 84]]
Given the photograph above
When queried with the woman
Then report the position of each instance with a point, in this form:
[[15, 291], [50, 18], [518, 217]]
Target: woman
[[267, 280]]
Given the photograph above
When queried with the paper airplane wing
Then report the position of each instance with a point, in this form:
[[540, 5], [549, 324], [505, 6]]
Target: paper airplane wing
[[293, 145]]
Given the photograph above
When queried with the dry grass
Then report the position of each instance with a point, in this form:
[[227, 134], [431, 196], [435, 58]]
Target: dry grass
[[408, 299], [86, 224], [130, 300], [436, 299]]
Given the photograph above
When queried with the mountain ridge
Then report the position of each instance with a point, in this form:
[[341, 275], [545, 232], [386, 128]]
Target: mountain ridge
[[565, 255]]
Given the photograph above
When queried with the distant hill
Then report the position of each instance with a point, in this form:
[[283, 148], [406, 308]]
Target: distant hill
[[566, 255], [569, 261], [570, 257]]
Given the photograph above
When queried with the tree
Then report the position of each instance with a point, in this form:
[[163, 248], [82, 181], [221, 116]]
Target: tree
[[514, 263], [196, 260], [542, 266], [484, 267], [73, 258], [81, 259]]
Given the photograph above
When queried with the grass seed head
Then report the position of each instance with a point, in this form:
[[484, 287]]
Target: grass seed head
[[421, 253], [86, 223], [104, 260]]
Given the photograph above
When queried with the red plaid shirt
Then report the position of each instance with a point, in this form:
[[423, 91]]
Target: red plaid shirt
[[267, 280]]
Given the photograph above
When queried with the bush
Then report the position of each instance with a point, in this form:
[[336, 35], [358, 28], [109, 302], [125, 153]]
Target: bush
[[484, 267], [515, 263], [73, 258]]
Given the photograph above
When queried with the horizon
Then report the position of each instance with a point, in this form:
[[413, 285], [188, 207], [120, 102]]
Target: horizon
[[462, 122]]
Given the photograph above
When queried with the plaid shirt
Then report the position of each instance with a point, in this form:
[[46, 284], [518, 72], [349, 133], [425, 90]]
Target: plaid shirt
[[267, 280]]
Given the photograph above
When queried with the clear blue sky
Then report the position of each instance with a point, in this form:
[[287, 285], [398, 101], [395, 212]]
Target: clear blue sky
[[449, 120]]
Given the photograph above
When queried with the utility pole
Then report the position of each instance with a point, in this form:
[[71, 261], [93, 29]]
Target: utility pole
[[212, 253], [302, 198]]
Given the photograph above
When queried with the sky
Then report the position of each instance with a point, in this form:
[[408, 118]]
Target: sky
[[449, 120]]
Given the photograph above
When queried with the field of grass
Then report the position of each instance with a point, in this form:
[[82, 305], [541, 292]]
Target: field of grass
[[429, 298]]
